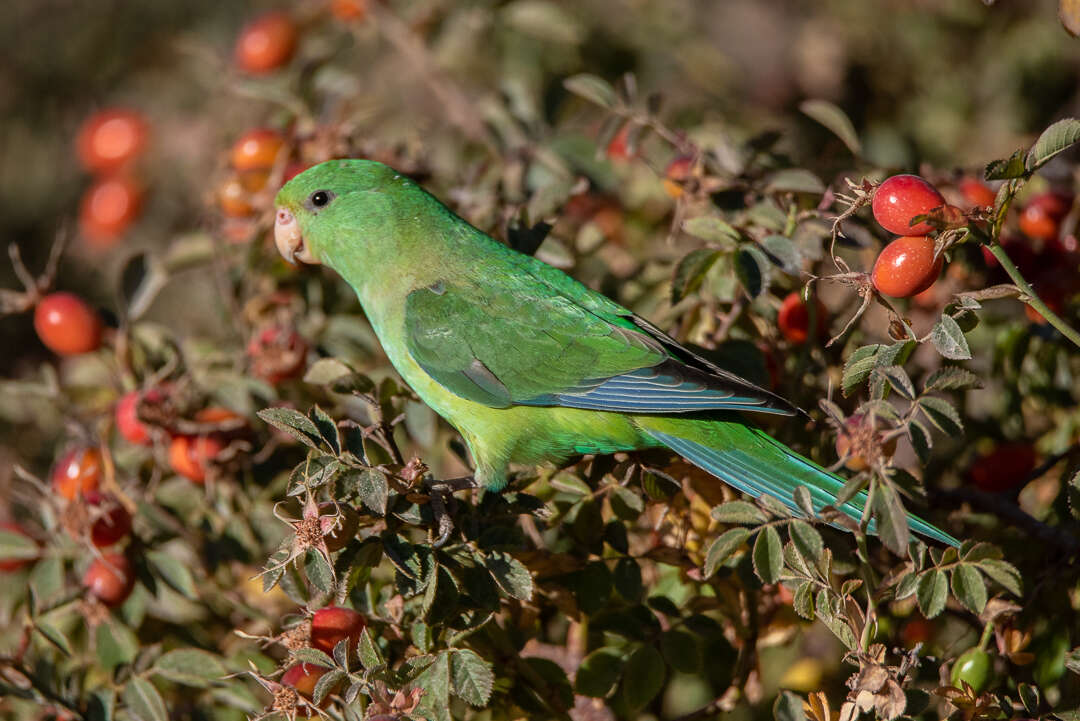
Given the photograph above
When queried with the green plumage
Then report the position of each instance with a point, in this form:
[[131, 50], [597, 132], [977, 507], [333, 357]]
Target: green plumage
[[528, 364]]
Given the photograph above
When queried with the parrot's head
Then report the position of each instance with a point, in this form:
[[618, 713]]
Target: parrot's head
[[331, 209]]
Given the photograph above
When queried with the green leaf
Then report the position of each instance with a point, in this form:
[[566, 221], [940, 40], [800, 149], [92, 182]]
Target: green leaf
[[803, 601], [591, 87], [46, 582], [598, 673], [739, 512], [17, 547], [326, 685], [714, 230], [294, 423], [858, 367], [510, 574], [892, 518], [328, 430], [951, 378], [116, 644], [723, 547], [806, 539], [968, 587], [318, 571], [643, 676], [472, 677], [828, 609], [768, 555], [681, 650], [143, 702], [942, 414], [1030, 697], [55, 636], [801, 496], [1011, 167], [627, 578], [1004, 573], [932, 592], [794, 180], [173, 572], [835, 119], [372, 488], [788, 707], [370, 657], [752, 269], [899, 381], [920, 439], [783, 251], [326, 370], [1053, 140], [690, 272], [435, 680], [313, 656], [190, 667]]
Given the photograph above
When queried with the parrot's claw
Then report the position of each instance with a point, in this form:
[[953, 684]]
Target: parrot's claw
[[442, 494]]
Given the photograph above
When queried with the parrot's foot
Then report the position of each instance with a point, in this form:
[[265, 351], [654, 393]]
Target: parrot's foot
[[442, 495]]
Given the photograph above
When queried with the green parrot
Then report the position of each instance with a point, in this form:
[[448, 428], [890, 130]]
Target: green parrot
[[529, 365]]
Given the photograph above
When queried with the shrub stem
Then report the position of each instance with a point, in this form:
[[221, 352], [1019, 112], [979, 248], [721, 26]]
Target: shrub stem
[[1031, 298]]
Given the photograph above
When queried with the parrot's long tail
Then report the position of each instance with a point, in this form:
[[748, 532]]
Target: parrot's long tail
[[755, 463]]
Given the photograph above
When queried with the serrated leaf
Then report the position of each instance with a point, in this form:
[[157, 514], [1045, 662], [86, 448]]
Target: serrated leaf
[[591, 87], [326, 685], [690, 272], [951, 378], [835, 119], [598, 673], [892, 525], [920, 440], [190, 667], [801, 496], [1056, 138], [858, 367], [318, 572], [510, 574], [373, 489], [472, 677], [931, 592], [803, 601], [806, 539], [968, 587], [739, 512], [294, 423], [1004, 573], [899, 381], [370, 656], [328, 430], [173, 572], [942, 414], [435, 680], [723, 547], [643, 676], [827, 608], [313, 656], [768, 555], [1011, 167], [143, 702], [714, 230]]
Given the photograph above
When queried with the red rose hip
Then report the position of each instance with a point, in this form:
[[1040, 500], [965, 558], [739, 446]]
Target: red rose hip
[[1041, 217], [127, 420], [193, 456], [902, 197], [67, 325], [110, 579], [77, 474], [109, 207], [1003, 468], [332, 624], [110, 139], [906, 267], [266, 44], [794, 318]]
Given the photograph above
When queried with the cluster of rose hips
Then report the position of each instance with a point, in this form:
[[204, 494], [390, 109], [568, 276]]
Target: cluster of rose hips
[[109, 143], [328, 627]]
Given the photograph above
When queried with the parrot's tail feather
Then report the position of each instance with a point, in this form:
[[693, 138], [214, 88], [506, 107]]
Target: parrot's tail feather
[[755, 463]]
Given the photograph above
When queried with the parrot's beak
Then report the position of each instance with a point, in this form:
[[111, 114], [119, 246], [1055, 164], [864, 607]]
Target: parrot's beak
[[288, 239]]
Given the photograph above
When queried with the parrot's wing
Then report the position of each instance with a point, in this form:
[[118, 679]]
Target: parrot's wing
[[519, 341]]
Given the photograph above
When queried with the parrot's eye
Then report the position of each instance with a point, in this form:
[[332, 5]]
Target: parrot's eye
[[320, 198]]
